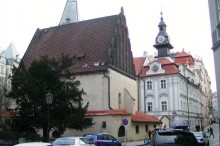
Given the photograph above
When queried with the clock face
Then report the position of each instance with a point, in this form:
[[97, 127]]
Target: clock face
[[160, 39], [155, 68]]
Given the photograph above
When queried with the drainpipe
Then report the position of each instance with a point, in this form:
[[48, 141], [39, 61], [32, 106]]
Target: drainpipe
[[109, 101], [145, 110]]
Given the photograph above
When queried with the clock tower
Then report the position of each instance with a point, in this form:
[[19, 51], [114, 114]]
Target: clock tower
[[162, 42]]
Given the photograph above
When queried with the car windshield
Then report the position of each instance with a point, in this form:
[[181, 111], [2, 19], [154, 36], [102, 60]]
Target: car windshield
[[84, 141], [64, 141], [176, 138], [90, 137], [198, 135]]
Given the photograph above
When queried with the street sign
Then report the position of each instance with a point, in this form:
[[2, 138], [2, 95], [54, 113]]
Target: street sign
[[124, 122]]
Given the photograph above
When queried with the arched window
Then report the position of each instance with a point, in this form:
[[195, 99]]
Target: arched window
[[121, 131]]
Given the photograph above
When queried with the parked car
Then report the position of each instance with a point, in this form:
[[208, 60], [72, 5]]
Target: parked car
[[202, 138], [174, 137], [180, 124], [102, 139], [72, 141], [34, 144]]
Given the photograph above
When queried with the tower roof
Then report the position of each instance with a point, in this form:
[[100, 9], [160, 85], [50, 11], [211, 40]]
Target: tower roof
[[70, 13], [162, 26], [11, 52]]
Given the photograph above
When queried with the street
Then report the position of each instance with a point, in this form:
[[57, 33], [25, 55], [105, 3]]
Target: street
[[214, 141]]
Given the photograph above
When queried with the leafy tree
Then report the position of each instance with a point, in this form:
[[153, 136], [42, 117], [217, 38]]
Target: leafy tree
[[29, 89], [4, 103]]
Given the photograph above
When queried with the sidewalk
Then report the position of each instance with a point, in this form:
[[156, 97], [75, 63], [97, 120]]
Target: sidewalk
[[213, 141]]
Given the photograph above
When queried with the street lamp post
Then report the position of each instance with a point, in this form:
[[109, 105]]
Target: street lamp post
[[49, 100], [187, 95]]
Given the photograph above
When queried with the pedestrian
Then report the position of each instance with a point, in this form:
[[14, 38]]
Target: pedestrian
[[197, 128], [149, 134], [211, 130]]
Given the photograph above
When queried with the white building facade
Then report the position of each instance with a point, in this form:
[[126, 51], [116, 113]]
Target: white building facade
[[175, 85], [214, 11], [9, 59]]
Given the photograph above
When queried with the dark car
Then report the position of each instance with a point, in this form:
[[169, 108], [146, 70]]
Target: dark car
[[102, 139], [202, 138], [172, 137]]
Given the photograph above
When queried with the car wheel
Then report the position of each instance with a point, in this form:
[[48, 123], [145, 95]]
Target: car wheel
[[119, 144]]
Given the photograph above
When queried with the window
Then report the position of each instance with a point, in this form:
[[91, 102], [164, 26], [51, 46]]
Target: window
[[121, 131], [149, 85], [164, 105], [146, 127], [149, 106], [163, 84], [137, 128]]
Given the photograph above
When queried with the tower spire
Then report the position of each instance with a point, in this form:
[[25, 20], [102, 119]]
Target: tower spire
[[162, 42], [70, 13]]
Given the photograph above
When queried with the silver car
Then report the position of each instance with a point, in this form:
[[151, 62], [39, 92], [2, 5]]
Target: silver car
[[34, 144], [202, 138], [72, 141]]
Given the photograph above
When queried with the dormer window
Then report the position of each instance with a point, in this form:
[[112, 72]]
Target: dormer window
[[80, 56]]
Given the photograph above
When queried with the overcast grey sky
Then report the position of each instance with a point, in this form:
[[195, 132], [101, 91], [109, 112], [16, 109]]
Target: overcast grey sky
[[188, 23]]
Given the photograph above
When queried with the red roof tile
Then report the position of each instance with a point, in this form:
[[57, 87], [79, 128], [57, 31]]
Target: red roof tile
[[169, 69], [138, 63], [107, 112], [87, 39], [181, 54], [183, 58], [98, 44], [141, 117], [163, 61]]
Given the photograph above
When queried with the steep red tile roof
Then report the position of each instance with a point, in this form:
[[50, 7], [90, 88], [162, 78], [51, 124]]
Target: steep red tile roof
[[181, 54], [141, 117], [87, 39], [168, 66], [107, 112], [138, 63], [169, 69], [163, 61], [98, 44], [183, 58]]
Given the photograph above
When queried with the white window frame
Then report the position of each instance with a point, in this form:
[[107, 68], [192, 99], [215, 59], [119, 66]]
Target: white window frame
[[163, 84], [149, 85], [149, 106], [164, 105]]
